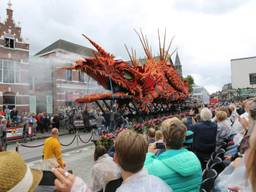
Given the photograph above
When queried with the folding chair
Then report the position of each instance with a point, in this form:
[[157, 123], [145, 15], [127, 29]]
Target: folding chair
[[48, 178], [218, 167], [209, 176], [211, 162], [113, 185], [218, 151]]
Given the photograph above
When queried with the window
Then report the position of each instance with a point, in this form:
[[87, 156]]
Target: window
[[8, 71], [68, 75], [18, 74], [1, 71], [9, 42], [81, 76], [12, 72], [252, 78], [8, 99]]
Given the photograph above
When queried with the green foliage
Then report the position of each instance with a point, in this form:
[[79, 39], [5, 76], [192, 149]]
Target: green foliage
[[190, 81]]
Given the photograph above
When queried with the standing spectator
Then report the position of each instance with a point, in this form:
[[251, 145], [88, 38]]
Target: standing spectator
[[14, 115], [100, 121], [52, 148], [7, 113], [42, 123], [104, 169], [56, 121], [86, 118], [204, 138], [39, 119], [3, 141], [47, 122], [2, 113], [177, 166]]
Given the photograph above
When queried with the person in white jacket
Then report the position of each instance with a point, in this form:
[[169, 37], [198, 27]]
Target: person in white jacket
[[130, 154]]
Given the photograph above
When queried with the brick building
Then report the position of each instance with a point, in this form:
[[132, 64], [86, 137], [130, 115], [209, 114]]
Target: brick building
[[59, 87], [14, 66]]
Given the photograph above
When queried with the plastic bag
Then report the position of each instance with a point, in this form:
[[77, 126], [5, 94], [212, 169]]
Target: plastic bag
[[230, 178]]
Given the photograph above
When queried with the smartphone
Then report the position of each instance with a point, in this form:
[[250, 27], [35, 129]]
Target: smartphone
[[160, 146]]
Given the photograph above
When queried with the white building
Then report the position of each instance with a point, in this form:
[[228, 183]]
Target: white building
[[200, 94], [243, 72]]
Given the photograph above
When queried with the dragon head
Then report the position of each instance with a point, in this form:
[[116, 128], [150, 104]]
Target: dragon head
[[113, 74]]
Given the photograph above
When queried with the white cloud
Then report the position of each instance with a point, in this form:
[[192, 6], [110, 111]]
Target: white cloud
[[208, 33]]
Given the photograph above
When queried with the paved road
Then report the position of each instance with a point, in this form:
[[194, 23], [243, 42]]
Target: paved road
[[32, 154], [78, 156], [79, 161]]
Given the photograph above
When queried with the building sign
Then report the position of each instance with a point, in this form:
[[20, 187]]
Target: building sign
[[14, 133], [32, 104], [247, 92], [49, 104], [252, 77]]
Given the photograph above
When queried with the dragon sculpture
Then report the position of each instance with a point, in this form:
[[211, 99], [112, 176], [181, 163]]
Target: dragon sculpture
[[154, 80]]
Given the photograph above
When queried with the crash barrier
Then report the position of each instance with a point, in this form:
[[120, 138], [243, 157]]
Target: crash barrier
[[90, 138], [76, 137]]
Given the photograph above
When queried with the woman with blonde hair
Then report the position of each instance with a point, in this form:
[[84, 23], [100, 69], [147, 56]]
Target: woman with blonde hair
[[223, 127], [177, 166]]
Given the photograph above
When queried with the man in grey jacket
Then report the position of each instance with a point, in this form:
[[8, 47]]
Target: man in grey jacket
[[3, 142]]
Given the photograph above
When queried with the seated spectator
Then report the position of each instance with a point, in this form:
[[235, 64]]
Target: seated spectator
[[188, 140], [159, 137], [234, 115], [204, 138], [131, 149], [177, 166], [250, 161], [151, 135], [240, 175], [247, 121], [223, 128], [104, 169], [15, 175], [159, 143]]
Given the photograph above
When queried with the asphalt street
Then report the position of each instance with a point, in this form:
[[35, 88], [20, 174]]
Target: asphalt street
[[78, 156]]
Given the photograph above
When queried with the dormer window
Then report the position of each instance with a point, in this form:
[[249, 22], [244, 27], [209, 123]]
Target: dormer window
[[9, 42]]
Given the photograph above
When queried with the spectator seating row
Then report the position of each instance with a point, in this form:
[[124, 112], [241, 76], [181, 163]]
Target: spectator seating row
[[214, 166]]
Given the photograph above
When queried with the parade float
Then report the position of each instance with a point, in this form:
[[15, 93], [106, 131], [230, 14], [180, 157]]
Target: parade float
[[143, 89]]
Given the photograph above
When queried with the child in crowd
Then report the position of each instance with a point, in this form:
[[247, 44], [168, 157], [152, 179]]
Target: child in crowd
[[104, 169], [151, 135]]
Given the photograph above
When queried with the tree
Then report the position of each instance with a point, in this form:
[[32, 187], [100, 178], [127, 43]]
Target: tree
[[190, 81]]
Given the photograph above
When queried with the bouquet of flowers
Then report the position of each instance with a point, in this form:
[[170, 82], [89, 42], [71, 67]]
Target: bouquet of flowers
[[139, 128], [119, 130], [107, 140]]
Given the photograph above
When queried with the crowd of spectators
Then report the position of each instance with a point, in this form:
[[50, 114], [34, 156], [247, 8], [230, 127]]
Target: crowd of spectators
[[175, 156]]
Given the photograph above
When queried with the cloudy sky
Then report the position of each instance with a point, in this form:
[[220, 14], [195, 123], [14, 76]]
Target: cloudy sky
[[208, 33]]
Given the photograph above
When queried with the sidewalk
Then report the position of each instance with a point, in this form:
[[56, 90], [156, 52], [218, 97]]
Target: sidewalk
[[31, 153], [47, 134], [39, 136]]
